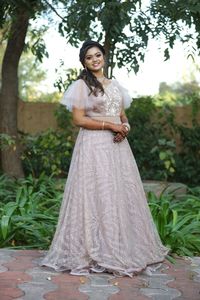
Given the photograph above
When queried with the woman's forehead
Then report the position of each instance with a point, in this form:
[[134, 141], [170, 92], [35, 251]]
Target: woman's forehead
[[93, 51]]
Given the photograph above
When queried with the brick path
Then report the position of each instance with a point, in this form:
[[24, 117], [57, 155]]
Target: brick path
[[21, 278]]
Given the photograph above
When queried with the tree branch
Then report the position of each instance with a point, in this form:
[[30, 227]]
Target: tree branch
[[54, 10]]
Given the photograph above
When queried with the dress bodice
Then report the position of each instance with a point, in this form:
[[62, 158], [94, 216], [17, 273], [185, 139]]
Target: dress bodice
[[110, 103]]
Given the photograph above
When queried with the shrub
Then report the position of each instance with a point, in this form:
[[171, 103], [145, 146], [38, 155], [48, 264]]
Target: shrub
[[28, 220], [49, 152], [155, 152], [178, 220]]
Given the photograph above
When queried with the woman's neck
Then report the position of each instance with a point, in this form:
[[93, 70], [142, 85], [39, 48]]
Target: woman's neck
[[99, 75]]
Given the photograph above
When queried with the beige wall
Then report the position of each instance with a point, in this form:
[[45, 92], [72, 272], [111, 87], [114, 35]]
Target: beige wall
[[36, 117]]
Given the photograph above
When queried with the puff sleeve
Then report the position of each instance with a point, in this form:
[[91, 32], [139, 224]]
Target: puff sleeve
[[125, 95], [77, 95]]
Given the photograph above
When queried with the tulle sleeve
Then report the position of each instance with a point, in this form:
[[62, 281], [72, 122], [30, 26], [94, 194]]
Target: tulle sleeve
[[76, 95], [127, 99]]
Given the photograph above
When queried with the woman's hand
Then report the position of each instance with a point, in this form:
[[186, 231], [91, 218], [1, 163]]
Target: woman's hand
[[118, 138], [120, 128]]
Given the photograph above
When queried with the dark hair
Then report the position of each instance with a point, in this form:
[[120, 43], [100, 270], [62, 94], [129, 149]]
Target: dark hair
[[90, 79]]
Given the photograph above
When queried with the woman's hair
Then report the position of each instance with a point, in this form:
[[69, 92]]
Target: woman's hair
[[90, 79]]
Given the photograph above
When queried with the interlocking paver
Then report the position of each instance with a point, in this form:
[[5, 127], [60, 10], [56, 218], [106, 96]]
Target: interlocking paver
[[67, 288], [21, 278], [5, 256], [99, 287], [184, 275]]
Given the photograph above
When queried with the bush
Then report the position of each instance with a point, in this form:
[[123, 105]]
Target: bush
[[29, 211], [178, 220], [49, 152], [155, 151], [148, 139]]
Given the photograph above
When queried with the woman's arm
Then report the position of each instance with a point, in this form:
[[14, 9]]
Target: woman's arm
[[119, 137], [81, 120], [123, 117]]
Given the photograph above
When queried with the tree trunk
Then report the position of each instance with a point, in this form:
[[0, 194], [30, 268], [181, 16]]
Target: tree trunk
[[109, 49], [10, 156]]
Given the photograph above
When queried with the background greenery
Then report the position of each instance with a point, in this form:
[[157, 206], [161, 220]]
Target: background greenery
[[152, 141]]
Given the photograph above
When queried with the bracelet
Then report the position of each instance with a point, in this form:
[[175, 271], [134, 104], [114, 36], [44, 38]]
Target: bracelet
[[127, 125], [103, 125]]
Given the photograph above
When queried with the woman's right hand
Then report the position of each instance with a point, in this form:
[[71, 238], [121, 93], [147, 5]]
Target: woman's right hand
[[119, 128]]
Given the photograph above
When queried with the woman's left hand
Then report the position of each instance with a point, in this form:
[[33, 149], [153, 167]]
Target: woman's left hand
[[119, 138]]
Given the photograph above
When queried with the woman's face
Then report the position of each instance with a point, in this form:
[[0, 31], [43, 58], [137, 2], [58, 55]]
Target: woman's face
[[94, 59]]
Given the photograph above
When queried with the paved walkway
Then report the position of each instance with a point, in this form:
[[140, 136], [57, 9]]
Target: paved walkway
[[21, 278]]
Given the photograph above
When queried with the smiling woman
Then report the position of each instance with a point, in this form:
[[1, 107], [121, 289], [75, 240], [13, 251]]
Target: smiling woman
[[105, 224]]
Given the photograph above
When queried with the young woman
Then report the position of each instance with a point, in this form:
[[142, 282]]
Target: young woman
[[105, 224]]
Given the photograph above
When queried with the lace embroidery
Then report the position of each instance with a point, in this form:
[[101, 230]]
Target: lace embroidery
[[112, 101]]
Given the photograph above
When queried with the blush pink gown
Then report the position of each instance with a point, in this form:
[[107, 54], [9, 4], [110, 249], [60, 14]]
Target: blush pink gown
[[104, 222]]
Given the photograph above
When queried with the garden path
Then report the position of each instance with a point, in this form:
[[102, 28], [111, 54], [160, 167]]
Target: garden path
[[22, 279]]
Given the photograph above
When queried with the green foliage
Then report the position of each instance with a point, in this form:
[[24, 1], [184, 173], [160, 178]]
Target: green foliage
[[166, 151], [124, 33], [28, 220], [49, 152], [188, 159], [144, 137], [177, 217], [63, 81], [178, 93], [29, 211], [155, 150], [6, 141]]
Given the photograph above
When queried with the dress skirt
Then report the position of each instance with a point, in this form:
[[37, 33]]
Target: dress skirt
[[104, 217]]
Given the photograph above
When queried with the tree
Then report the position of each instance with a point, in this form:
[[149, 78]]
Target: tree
[[9, 92], [177, 20], [19, 15], [122, 25]]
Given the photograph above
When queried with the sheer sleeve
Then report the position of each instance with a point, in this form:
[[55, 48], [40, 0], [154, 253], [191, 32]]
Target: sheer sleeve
[[125, 95], [76, 96]]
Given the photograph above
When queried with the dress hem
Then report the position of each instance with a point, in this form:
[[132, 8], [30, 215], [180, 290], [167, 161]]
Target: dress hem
[[116, 271]]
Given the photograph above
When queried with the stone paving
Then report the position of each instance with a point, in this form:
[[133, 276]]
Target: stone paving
[[21, 278]]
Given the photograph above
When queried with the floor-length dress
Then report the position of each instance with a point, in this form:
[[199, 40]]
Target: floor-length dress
[[104, 218]]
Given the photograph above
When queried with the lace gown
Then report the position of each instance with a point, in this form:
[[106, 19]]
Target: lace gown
[[104, 222]]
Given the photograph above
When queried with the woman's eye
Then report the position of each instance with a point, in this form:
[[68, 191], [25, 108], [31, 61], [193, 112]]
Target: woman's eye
[[98, 55]]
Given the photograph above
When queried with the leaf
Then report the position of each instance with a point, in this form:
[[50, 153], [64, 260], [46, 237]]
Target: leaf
[[162, 155], [166, 54], [175, 217], [4, 226]]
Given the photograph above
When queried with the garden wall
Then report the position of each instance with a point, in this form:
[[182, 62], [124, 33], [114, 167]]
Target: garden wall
[[37, 117]]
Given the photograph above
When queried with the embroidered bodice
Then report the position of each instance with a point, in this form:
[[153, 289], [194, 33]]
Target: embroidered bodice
[[110, 103]]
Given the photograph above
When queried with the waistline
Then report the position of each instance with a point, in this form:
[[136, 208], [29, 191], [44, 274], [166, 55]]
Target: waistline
[[112, 119]]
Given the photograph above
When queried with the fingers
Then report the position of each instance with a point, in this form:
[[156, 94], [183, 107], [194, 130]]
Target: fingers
[[124, 130], [118, 138]]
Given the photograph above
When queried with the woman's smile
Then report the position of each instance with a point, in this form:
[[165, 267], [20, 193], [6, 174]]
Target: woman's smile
[[94, 59]]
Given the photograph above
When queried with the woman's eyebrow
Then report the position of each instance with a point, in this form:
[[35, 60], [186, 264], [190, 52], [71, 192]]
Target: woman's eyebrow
[[89, 55]]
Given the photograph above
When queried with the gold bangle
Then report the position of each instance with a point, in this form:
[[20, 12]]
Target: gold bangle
[[103, 125]]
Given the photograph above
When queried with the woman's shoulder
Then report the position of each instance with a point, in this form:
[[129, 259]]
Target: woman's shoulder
[[116, 83], [78, 84]]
